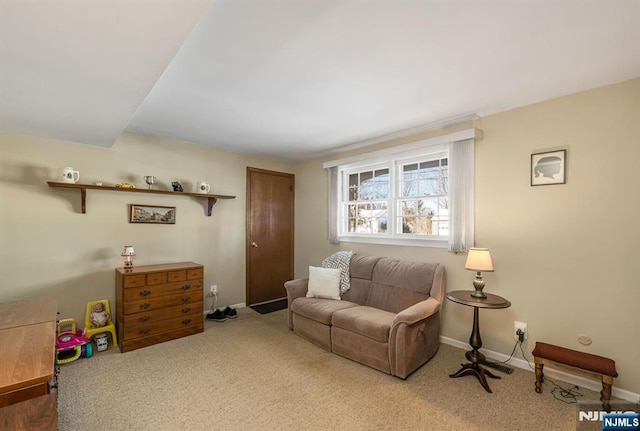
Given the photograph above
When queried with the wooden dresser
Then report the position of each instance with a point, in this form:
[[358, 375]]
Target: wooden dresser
[[157, 303]]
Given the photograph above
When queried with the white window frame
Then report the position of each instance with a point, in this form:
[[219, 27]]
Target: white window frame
[[391, 158], [391, 162]]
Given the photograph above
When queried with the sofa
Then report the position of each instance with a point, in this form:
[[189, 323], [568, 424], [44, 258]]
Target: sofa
[[388, 319]]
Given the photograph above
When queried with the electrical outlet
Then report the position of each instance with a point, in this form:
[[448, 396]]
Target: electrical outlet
[[521, 326], [213, 290]]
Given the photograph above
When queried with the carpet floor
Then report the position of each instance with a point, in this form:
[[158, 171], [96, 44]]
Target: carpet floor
[[253, 373]]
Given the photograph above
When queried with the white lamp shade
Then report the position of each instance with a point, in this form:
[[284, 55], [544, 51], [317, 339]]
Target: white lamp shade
[[479, 259], [128, 251]]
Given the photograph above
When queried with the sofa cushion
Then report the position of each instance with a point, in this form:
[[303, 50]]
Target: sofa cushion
[[318, 309], [324, 283], [398, 284], [361, 266], [366, 321]]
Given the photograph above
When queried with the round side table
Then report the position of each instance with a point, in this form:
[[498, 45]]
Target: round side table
[[473, 368]]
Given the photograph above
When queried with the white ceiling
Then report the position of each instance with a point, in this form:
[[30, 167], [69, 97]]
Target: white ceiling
[[295, 79]]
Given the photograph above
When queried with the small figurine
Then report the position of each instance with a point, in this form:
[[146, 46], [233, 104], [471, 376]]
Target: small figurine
[[177, 187], [100, 316]]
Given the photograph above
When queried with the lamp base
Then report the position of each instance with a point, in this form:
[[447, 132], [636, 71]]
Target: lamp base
[[478, 283]]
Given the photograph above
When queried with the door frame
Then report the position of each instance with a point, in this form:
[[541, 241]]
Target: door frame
[[251, 170]]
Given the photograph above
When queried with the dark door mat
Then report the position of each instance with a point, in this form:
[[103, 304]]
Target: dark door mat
[[270, 307]]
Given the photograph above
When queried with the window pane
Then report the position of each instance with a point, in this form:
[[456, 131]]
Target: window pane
[[367, 217], [421, 217], [427, 178]]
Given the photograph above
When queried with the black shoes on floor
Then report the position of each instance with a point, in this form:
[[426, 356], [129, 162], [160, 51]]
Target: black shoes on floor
[[222, 315], [230, 313]]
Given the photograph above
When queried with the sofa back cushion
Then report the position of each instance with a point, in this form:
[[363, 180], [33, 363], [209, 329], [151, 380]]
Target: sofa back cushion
[[361, 269], [398, 284]]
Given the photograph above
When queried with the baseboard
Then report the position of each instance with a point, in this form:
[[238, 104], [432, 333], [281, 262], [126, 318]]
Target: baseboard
[[548, 371]]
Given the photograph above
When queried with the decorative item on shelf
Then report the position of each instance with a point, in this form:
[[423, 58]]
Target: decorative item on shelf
[[149, 179], [125, 186], [97, 183], [203, 187], [479, 259], [68, 175], [128, 252], [177, 187]]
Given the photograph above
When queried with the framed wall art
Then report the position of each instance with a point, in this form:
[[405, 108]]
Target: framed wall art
[[549, 168], [152, 214]]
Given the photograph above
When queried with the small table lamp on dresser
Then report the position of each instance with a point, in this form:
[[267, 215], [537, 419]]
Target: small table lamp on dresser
[[128, 252]]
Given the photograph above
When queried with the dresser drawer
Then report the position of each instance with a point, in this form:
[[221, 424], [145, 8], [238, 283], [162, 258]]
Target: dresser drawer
[[195, 273], [156, 278], [177, 275], [134, 280], [162, 302], [148, 292], [161, 326], [146, 318]]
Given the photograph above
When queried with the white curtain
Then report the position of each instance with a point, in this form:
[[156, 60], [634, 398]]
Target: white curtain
[[334, 203], [461, 209]]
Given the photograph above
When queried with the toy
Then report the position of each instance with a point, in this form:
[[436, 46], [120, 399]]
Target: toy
[[102, 341], [125, 186], [71, 344], [100, 316], [177, 187]]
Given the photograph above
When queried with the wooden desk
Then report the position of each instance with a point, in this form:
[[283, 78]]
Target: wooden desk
[[29, 312], [27, 337], [36, 414]]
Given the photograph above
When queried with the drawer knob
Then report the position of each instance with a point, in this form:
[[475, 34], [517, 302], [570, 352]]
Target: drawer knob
[[145, 330], [186, 321], [185, 310], [145, 293], [145, 318], [186, 287], [186, 298], [145, 305]]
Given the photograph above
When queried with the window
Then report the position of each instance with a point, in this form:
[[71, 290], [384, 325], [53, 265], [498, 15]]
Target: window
[[365, 206], [405, 195], [404, 198]]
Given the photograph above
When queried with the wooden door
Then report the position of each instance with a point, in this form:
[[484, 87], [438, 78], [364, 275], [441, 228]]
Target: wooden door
[[270, 226]]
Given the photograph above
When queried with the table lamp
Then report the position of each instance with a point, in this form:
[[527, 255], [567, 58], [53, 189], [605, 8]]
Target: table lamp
[[128, 252], [479, 259]]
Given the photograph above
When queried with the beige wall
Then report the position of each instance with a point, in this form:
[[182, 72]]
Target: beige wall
[[564, 255], [50, 249]]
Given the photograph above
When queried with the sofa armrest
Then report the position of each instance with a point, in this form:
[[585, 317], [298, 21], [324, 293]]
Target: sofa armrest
[[417, 312], [414, 337], [295, 289]]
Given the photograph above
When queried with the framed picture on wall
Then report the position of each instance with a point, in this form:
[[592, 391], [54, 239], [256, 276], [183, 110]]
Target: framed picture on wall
[[548, 168], [152, 214]]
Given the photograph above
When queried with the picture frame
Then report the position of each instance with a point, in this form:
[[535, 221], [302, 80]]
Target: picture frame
[[153, 214], [548, 168]]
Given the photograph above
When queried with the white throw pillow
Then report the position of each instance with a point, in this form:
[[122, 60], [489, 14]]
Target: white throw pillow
[[324, 283]]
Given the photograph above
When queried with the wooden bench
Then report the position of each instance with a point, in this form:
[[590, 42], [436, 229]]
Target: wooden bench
[[603, 368]]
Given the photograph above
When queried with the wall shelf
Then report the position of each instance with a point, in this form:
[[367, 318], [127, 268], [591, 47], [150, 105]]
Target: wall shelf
[[210, 199]]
